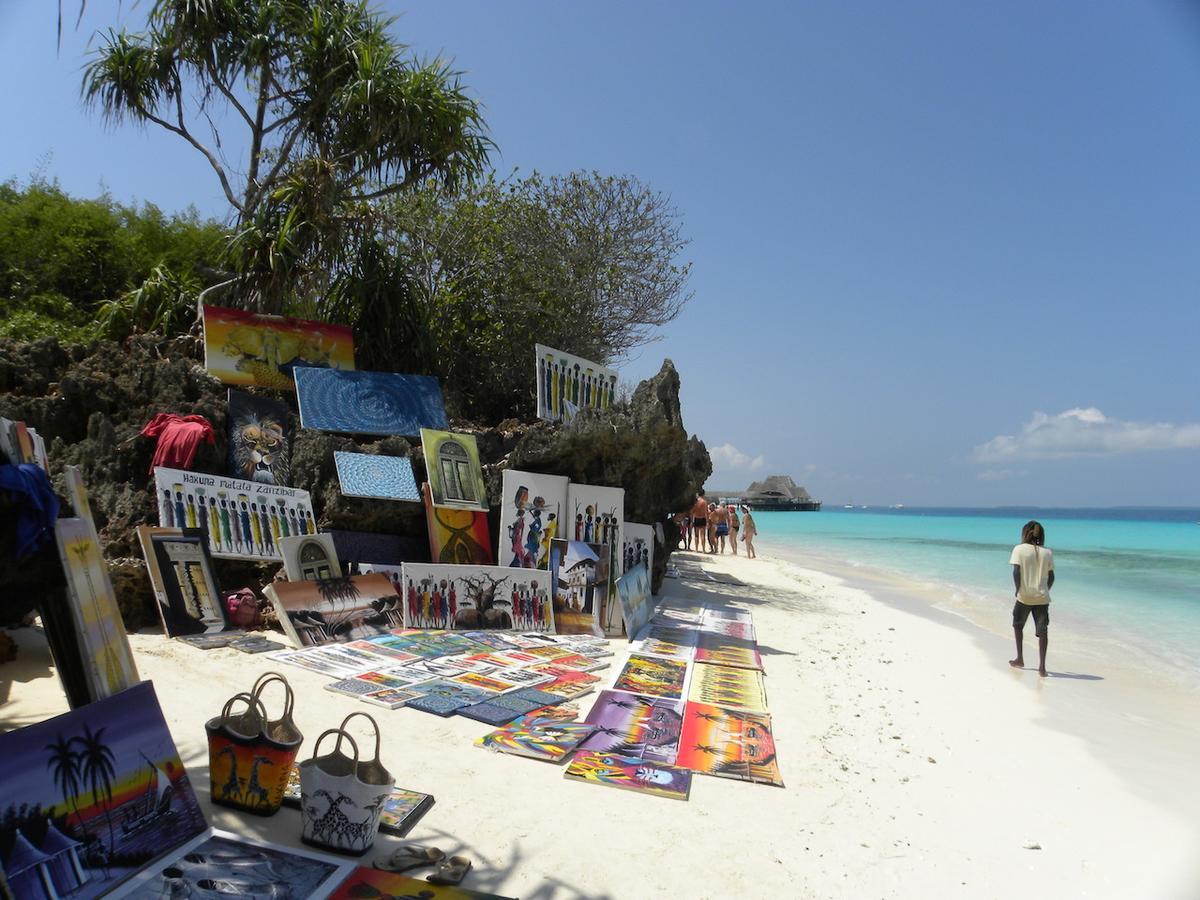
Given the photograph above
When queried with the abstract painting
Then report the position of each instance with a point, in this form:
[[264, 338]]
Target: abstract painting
[[728, 743], [376, 884], [243, 519], [637, 605], [728, 651], [652, 676], [192, 598], [472, 597], [531, 511], [335, 610], [455, 475], [457, 536], [637, 546], [248, 348], [376, 477], [538, 738], [632, 725], [107, 660], [567, 384], [67, 779], [383, 403], [630, 773], [582, 578], [310, 557], [260, 439], [728, 687]]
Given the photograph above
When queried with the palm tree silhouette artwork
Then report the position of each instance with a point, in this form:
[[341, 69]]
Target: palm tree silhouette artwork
[[339, 598], [99, 770], [64, 762]]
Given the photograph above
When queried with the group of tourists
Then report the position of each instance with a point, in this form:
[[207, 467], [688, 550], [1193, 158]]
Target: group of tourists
[[707, 527]]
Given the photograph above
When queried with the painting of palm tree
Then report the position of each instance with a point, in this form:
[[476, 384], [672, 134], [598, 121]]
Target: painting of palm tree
[[64, 763], [98, 768]]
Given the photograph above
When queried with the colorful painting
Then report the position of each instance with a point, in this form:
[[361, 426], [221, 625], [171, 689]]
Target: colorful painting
[[728, 743], [483, 682], [728, 687], [456, 536], [652, 676], [337, 609], [531, 512], [191, 602], [375, 884], [103, 643], [390, 698], [260, 439], [637, 546], [309, 557], [631, 774], [631, 725], [637, 605], [472, 597], [90, 797], [383, 403], [566, 384], [728, 651], [547, 738], [677, 642], [741, 630], [246, 348], [595, 515], [243, 519], [582, 578], [455, 475], [376, 477], [401, 810]]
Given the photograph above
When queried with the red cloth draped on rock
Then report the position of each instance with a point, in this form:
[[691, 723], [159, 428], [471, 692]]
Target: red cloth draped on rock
[[178, 439]]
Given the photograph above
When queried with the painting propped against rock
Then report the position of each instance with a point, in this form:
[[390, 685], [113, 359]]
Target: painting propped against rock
[[457, 536], [729, 744], [193, 600], [243, 519], [310, 557], [567, 383], [581, 575], [637, 605], [336, 609], [245, 348], [260, 439], [637, 546], [455, 474], [470, 597], [531, 510], [384, 403]]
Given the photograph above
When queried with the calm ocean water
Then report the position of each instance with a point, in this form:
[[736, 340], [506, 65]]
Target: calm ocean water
[[1129, 575]]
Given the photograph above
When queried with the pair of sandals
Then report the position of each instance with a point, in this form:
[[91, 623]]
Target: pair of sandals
[[450, 869]]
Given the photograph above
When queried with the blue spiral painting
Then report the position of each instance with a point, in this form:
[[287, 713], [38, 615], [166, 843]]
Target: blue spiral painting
[[380, 477], [368, 402]]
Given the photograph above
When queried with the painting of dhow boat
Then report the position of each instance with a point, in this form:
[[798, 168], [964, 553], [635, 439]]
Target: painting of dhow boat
[[90, 797]]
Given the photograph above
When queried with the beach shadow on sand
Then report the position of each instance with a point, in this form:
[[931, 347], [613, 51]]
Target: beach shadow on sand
[[1075, 676]]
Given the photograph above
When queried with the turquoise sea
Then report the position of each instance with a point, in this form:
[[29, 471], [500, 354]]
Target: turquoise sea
[[1131, 576]]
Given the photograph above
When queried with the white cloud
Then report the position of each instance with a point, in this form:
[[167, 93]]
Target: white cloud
[[728, 456], [1085, 432]]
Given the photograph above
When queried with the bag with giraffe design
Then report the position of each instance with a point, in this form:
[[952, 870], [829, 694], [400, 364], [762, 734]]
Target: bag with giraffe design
[[249, 753]]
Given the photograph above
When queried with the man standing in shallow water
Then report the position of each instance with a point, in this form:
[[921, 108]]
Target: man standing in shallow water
[[1033, 576]]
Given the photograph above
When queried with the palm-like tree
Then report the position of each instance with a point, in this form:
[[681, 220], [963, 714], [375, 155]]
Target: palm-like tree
[[99, 769], [64, 762]]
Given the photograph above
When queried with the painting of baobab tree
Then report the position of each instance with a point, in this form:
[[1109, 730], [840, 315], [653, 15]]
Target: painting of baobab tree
[[108, 661], [476, 597], [335, 609], [90, 797]]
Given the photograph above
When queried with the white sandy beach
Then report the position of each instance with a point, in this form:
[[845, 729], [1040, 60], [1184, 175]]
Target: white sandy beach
[[917, 765]]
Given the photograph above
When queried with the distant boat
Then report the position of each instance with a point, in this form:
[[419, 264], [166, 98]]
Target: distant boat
[[848, 506], [154, 803]]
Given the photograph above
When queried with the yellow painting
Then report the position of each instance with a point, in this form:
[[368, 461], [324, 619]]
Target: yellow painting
[[244, 348]]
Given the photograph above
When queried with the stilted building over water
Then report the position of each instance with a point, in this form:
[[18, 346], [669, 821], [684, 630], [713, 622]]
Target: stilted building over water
[[776, 492]]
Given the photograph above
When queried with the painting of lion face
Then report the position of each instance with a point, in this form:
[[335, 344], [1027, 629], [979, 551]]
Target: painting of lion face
[[259, 439]]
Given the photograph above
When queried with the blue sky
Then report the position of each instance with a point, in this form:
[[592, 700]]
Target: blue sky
[[943, 253]]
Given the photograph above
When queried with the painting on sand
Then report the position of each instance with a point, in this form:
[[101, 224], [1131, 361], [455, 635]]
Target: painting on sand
[[455, 474], [336, 609], [260, 439], [728, 743], [469, 597], [652, 676], [192, 598], [567, 383], [531, 509], [631, 725], [244, 348], [582, 578], [637, 605], [458, 536], [631, 774], [728, 687], [375, 884]]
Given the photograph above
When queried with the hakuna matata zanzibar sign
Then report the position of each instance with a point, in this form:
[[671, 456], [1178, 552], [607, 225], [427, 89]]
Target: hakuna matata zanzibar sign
[[243, 519]]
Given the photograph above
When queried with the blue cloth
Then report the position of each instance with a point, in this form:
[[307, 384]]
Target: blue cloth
[[37, 505]]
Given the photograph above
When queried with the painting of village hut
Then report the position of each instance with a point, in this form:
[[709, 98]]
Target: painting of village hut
[[90, 797], [476, 597], [335, 609], [581, 574]]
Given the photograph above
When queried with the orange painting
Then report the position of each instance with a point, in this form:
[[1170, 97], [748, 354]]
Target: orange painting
[[245, 348]]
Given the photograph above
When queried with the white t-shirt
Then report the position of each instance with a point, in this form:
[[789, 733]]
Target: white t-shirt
[[1036, 565]]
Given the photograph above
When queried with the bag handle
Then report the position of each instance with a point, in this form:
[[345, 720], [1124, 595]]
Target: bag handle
[[336, 747], [253, 706], [289, 697], [374, 725]]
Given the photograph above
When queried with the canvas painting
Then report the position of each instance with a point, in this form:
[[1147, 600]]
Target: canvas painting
[[728, 687], [67, 779], [243, 519], [376, 884], [245, 348], [335, 610], [728, 743], [637, 605], [310, 557], [728, 651], [260, 439], [192, 598], [472, 597], [377, 477], [595, 515], [145, 533], [458, 536], [637, 546], [549, 739], [455, 474], [630, 773], [108, 661], [652, 676], [383, 403], [582, 578], [566, 384], [354, 548], [531, 510], [631, 725]]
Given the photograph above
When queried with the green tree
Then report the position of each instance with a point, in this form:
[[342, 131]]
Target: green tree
[[336, 116]]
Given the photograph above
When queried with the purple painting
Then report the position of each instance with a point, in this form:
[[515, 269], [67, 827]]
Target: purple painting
[[631, 725]]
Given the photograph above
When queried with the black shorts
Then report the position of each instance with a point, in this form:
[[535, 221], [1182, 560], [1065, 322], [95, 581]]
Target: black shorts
[[699, 523], [1040, 613]]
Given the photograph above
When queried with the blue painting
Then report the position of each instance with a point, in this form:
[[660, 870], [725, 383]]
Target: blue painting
[[368, 402], [378, 477]]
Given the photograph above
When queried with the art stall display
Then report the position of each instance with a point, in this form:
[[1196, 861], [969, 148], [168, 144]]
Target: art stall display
[[630, 773], [376, 477], [531, 511], [581, 575], [260, 439], [469, 597], [383, 403], [728, 743], [338, 609], [567, 384], [458, 536], [191, 600], [376, 884], [637, 604], [728, 687], [455, 474], [310, 557], [723, 650], [652, 676], [646, 728], [676, 642], [243, 519], [543, 738], [637, 546], [245, 348]]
